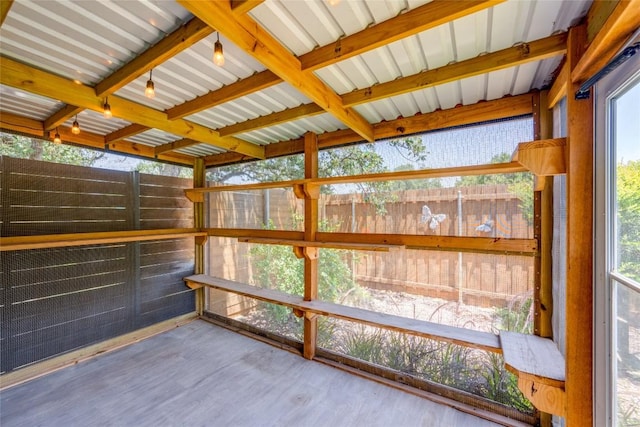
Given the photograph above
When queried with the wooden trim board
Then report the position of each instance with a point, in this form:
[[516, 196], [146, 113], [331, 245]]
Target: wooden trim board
[[51, 365], [81, 239]]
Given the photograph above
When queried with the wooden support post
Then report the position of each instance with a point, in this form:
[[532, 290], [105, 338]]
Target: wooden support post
[[310, 230], [579, 304], [199, 181], [543, 233], [543, 123]]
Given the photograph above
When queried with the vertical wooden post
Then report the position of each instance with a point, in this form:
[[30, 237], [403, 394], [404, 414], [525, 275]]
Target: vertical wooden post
[[199, 181], [311, 254], [579, 308], [544, 225], [543, 233]]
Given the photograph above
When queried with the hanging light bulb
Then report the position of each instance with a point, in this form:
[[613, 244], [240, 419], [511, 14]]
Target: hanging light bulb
[[75, 128], [150, 91], [56, 138], [218, 56], [106, 109]]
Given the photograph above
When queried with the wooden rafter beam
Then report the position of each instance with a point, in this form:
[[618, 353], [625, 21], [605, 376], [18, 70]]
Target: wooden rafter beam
[[5, 5], [24, 77], [24, 125], [510, 106], [401, 26], [175, 145], [61, 116], [124, 133], [618, 27], [559, 87], [142, 150], [597, 15], [179, 40], [248, 35], [289, 114], [533, 51], [14, 123], [226, 93], [420, 19], [244, 6]]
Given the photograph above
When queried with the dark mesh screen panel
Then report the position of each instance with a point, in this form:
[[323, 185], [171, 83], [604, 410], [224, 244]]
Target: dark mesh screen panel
[[56, 300]]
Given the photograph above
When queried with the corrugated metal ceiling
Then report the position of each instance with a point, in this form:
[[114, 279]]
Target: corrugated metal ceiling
[[88, 40]]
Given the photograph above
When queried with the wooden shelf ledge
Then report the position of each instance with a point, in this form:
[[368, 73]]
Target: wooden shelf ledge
[[490, 245], [82, 239], [544, 157], [540, 369], [316, 244], [461, 336], [310, 186]]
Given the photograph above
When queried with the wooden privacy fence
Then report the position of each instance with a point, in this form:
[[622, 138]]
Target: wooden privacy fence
[[54, 300], [475, 278]]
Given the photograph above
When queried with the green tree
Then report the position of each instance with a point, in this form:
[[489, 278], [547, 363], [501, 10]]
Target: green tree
[[276, 267], [36, 149], [520, 184], [165, 169], [353, 160], [628, 195]]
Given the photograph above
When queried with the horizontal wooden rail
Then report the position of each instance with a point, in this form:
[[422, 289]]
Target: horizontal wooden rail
[[461, 336], [322, 244], [197, 194], [82, 239], [490, 245]]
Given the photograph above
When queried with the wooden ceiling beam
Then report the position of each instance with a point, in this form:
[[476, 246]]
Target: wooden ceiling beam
[[607, 42], [179, 40], [147, 151], [21, 76], [27, 126], [256, 82], [5, 5], [510, 57], [559, 87], [420, 19], [248, 35], [13, 122], [182, 38], [503, 108], [305, 110], [124, 133], [402, 26], [244, 6], [62, 115], [175, 145]]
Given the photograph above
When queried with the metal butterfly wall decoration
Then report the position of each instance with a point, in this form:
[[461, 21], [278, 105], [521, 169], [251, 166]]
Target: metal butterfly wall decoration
[[433, 220], [486, 227]]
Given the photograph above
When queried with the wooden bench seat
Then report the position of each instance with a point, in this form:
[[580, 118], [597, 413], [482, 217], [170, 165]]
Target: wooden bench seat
[[536, 361], [469, 338]]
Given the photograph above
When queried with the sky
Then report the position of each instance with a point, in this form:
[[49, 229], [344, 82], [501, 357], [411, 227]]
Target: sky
[[628, 125]]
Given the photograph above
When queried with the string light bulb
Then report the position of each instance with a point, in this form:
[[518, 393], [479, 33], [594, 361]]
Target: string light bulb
[[150, 91], [106, 109], [56, 138], [218, 55], [75, 128]]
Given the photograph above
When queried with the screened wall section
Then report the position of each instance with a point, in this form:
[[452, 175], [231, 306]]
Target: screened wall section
[[404, 249]]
